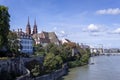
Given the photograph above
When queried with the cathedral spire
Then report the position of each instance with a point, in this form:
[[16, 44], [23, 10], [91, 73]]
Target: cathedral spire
[[35, 27], [28, 28], [28, 21], [35, 22]]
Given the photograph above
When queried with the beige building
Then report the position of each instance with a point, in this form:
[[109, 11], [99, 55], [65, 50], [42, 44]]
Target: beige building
[[45, 38]]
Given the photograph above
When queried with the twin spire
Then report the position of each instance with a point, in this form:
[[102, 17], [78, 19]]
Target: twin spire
[[28, 28]]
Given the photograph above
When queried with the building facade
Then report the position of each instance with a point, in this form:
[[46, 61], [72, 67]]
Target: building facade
[[26, 42], [45, 38]]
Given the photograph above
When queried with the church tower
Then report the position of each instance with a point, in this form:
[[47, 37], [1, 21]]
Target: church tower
[[28, 28], [35, 28]]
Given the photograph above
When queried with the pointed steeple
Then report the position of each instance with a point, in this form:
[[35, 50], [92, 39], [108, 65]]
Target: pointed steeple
[[28, 21], [35, 22], [35, 27], [28, 28]]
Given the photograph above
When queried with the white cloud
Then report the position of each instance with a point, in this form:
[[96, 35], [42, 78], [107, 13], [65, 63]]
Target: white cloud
[[112, 11], [116, 31], [93, 28], [63, 32]]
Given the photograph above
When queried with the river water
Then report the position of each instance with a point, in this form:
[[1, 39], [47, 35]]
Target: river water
[[105, 68]]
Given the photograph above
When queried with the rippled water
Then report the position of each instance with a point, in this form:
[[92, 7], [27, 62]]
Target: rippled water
[[105, 68]]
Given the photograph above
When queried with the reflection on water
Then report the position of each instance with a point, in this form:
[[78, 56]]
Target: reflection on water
[[105, 68]]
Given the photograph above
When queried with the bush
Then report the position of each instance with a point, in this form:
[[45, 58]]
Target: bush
[[84, 59], [52, 62], [72, 64], [35, 68]]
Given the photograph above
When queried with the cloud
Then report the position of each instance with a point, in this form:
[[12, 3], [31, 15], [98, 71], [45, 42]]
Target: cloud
[[92, 28], [111, 11], [62, 34], [95, 30], [116, 31]]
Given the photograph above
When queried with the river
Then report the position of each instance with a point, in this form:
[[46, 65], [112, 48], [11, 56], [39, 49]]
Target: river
[[105, 68]]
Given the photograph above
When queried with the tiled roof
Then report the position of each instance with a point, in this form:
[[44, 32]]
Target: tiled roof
[[21, 34], [46, 37], [53, 38]]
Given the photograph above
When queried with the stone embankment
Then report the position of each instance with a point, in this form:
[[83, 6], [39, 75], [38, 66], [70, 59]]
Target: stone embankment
[[17, 65], [51, 76]]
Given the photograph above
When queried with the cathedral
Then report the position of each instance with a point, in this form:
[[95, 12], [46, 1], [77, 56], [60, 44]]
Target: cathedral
[[25, 38], [28, 28], [42, 38]]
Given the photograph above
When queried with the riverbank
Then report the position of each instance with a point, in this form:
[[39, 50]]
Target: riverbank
[[105, 68]]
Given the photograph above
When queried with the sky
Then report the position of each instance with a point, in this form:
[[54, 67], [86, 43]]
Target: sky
[[91, 22]]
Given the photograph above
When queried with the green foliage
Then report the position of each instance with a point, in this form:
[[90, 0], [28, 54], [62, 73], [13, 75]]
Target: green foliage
[[85, 58], [36, 70], [55, 56], [39, 50], [4, 25], [35, 67], [13, 43], [52, 62], [73, 64]]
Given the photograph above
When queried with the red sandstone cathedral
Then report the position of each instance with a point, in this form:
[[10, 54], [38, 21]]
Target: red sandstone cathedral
[[28, 28]]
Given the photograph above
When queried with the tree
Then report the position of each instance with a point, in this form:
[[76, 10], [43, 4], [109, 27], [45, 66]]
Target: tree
[[52, 62], [13, 43], [35, 67], [85, 59], [4, 26], [39, 50]]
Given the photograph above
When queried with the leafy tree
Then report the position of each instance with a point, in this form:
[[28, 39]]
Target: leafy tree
[[52, 62], [13, 43], [85, 59], [4, 25], [35, 67], [39, 50], [36, 70]]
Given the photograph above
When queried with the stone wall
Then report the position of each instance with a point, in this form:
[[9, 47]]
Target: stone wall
[[13, 64], [54, 75], [5, 65], [40, 59], [16, 64]]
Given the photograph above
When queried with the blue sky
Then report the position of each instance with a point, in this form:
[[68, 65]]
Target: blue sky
[[90, 22]]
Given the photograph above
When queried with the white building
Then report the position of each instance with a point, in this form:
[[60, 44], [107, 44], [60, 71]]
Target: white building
[[65, 41], [26, 42]]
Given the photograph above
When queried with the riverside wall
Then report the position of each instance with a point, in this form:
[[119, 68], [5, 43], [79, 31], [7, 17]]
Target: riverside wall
[[51, 76], [16, 64]]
